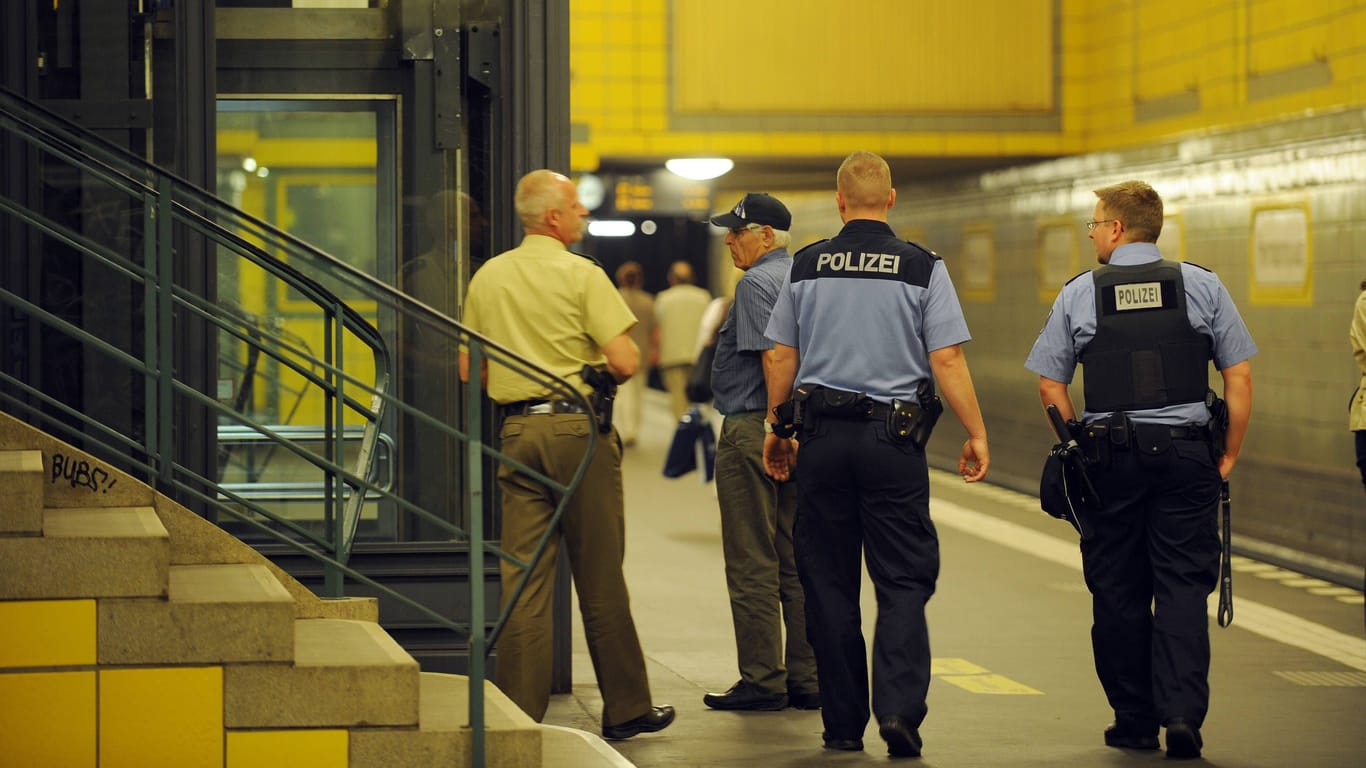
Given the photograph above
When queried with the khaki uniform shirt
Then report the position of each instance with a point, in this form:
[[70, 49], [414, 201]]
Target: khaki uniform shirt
[[553, 307]]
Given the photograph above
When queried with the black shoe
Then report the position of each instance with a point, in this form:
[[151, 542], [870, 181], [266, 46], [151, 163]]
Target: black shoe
[[657, 719], [744, 695], [1183, 740], [903, 740], [845, 745], [804, 700], [1128, 736]]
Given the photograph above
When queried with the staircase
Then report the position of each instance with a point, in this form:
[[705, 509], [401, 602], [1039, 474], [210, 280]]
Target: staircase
[[135, 633]]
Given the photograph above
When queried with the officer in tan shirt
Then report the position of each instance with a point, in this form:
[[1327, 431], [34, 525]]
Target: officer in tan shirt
[[561, 311]]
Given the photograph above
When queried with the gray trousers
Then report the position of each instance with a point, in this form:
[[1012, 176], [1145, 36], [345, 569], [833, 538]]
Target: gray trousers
[[757, 513]]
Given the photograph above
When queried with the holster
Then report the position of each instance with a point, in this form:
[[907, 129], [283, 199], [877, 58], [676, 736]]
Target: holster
[[603, 397], [1218, 422]]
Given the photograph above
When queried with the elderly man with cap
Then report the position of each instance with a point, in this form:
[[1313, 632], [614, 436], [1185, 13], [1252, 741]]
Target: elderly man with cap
[[757, 511]]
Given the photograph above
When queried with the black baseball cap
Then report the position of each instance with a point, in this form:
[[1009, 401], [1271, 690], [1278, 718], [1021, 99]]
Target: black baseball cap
[[756, 208]]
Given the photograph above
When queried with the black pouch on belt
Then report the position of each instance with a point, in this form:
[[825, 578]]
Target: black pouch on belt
[[1152, 439]]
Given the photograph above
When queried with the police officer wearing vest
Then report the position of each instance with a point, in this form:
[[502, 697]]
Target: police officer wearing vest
[[863, 326], [560, 311], [1145, 330]]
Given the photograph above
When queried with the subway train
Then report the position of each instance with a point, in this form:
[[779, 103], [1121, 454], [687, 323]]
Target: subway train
[[1278, 211]]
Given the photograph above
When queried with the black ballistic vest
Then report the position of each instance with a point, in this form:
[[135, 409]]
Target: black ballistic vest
[[1145, 353]]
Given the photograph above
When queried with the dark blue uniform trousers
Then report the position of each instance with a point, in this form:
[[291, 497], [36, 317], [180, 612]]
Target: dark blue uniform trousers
[[858, 490], [1151, 565]]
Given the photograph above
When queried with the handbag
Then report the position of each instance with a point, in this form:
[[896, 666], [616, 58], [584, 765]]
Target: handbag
[[694, 434], [698, 388]]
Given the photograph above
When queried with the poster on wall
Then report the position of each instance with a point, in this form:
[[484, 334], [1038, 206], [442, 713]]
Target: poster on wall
[[1057, 257], [1281, 255], [975, 272]]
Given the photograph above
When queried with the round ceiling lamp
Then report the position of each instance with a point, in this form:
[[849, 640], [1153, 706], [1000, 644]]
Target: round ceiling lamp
[[700, 168]]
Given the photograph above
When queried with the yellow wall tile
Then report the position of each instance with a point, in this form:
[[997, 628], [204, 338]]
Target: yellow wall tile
[[47, 719], [171, 717], [47, 633], [296, 749]]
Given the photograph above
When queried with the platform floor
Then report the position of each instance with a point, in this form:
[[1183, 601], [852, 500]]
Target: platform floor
[[1009, 628]]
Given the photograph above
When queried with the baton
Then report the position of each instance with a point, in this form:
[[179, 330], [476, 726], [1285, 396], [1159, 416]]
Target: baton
[[1071, 449], [1226, 571]]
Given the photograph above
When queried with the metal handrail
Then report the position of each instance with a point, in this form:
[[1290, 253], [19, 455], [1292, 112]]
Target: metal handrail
[[167, 204]]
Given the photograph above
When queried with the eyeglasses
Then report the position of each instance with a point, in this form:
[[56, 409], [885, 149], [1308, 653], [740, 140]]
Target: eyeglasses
[[737, 231], [1090, 225]]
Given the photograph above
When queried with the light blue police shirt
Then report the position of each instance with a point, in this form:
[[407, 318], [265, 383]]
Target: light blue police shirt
[[864, 310], [1071, 325]]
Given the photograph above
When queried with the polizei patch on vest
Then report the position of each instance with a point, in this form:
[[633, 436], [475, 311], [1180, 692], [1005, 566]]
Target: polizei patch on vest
[[888, 263], [1138, 296]]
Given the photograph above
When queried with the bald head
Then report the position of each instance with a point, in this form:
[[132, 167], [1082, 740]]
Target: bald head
[[863, 187], [548, 204], [539, 192], [680, 273]]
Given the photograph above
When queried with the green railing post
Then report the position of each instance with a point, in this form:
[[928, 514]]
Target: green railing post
[[165, 354], [333, 583], [475, 446]]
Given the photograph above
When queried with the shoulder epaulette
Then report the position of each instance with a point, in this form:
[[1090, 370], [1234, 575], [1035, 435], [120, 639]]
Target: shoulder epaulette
[[1199, 266], [927, 251], [590, 258], [809, 247], [1074, 277]]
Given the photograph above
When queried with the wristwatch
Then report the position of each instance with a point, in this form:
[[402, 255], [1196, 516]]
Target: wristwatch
[[768, 426]]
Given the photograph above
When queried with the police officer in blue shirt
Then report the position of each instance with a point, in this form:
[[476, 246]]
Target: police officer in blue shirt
[[863, 322], [1145, 329]]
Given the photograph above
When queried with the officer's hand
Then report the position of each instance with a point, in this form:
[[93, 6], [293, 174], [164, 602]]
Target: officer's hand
[[972, 465], [778, 456], [1226, 465]]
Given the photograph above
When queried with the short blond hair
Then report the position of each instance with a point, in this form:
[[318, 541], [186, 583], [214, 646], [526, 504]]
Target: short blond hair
[[864, 180], [1137, 206]]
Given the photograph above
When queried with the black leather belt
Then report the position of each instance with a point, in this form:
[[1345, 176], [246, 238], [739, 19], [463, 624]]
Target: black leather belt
[[539, 407], [1190, 433], [1098, 429]]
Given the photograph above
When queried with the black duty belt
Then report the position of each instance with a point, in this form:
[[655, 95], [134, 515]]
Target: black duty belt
[[1099, 429], [1190, 433], [865, 408], [539, 407]]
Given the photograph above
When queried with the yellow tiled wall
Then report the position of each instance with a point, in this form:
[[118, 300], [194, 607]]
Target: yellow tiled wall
[[48, 719], [47, 633], [296, 749], [161, 717], [796, 77]]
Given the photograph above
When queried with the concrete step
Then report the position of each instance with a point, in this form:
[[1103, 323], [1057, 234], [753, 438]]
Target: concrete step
[[110, 552], [21, 505], [511, 738], [345, 673], [213, 614]]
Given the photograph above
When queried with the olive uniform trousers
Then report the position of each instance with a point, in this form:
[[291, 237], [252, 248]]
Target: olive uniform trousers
[[593, 533]]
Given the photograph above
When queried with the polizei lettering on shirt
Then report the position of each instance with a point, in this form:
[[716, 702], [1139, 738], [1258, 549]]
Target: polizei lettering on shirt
[[889, 263], [1138, 296]]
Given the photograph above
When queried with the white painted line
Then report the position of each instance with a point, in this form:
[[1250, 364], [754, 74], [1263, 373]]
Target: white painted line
[[1254, 617]]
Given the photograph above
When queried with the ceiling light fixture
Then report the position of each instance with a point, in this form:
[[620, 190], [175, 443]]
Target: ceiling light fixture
[[611, 228], [700, 168]]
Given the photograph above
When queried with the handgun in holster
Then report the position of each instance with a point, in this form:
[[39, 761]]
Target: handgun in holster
[[603, 396], [792, 414], [1218, 422], [915, 421]]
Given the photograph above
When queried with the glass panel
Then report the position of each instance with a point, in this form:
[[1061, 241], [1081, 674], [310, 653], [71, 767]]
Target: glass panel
[[311, 168]]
